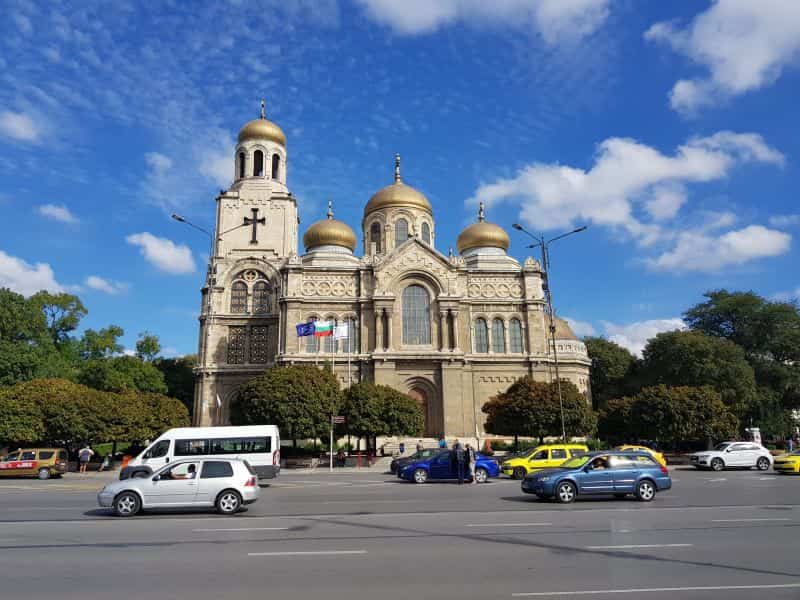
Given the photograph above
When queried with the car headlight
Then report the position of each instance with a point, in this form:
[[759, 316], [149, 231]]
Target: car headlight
[[545, 478]]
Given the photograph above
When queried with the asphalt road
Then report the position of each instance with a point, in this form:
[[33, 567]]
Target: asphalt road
[[732, 535]]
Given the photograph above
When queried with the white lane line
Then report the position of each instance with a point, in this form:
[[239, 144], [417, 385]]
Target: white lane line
[[246, 529], [718, 479], [747, 520], [357, 500], [309, 553], [774, 586], [635, 546], [507, 524]]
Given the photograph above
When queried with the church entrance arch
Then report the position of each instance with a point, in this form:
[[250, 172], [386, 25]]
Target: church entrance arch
[[425, 394]]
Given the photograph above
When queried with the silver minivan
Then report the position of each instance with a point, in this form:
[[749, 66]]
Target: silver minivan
[[227, 484]]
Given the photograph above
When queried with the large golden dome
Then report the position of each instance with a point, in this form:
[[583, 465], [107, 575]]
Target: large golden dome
[[329, 232], [482, 235], [262, 129], [398, 194]]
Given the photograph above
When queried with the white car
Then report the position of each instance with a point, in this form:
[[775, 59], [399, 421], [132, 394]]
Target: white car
[[733, 455], [226, 484]]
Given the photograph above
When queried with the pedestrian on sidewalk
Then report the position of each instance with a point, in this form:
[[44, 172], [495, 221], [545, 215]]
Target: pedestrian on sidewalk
[[85, 454], [420, 446], [442, 443], [471, 460], [460, 460]]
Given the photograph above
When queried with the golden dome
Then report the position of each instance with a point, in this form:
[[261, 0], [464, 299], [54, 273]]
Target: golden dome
[[329, 232], [482, 235], [397, 194], [262, 129]]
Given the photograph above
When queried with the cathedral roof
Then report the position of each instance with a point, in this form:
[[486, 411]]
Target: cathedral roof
[[398, 194], [563, 330], [262, 129], [482, 235], [329, 232]]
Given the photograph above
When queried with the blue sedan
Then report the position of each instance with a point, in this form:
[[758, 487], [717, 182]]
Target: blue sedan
[[442, 466], [610, 473]]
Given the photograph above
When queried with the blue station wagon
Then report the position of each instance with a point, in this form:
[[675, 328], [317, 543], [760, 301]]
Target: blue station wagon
[[609, 473], [443, 466]]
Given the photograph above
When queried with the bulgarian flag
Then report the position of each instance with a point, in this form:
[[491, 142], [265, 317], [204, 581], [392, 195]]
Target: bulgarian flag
[[323, 328]]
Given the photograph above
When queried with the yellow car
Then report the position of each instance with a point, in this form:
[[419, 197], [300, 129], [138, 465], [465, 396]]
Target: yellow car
[[657, 455], [541, 457], [34, 462], [787, 463]]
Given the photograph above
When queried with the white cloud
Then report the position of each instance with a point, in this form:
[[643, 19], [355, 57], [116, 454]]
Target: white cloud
[[105, 285], [697, 251], [555, 20], [634, 336], [25, 278], [784, 220], [665, 202], [19, 126], [787, 296], [745, 45], [162, 253], [57, 212], [158, 163], [580, 328]]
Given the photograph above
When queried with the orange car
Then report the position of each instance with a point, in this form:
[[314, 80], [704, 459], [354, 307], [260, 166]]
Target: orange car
[[35, 462]]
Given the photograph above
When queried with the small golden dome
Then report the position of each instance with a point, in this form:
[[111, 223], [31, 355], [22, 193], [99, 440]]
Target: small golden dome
[[329, 232], [262, 129], [397, 194], [482, 235]]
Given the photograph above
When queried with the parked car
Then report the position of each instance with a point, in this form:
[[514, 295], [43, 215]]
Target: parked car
[[610, 473], [787, 463], [404, 460], [442, 466], [733, 455], [635, 447], [226, 484], [35, 462], [541, 457]]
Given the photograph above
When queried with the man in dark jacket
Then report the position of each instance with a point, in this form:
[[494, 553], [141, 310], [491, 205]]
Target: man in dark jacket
[[460, 459]]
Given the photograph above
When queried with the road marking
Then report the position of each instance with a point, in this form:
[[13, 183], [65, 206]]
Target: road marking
[[310, 553], [356, 501], [635, 546], [506, 524], [718, 479], [774, 586], [246, 529], [746, 520]]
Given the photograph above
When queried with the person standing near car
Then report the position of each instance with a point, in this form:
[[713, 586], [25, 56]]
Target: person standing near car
[[84, 456], [420, 446], [460, 460], [471, 460]]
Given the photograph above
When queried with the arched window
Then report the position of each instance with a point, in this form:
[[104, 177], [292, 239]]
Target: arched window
[[400, 232], [498, 337], [258, 163], [416, 316], [239, 297], [241, 165], [330, 341], [426, 233], [276, 165], [515, 336], [311, 340], [261, 297], [481, 335], [375, 235]]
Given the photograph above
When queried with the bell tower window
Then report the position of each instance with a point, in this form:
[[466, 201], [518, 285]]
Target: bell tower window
[[241, 165], [400, 232], [276, 165], [426, 233], [375, 236], [258, 164]]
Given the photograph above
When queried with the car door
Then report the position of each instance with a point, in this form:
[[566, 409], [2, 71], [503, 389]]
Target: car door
[[173, 487], [754, 451], [28, 463], [8, 466], [593, 480], [736, 455], [157, 455], [441, 467], [557, 456], [215, 476], [538, 460], [624, 472]]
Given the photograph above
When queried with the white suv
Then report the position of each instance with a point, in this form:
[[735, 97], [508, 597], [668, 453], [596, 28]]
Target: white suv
[[733, 455]]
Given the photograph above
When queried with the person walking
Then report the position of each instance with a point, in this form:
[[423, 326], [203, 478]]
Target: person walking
[[85, 454], [471, 460], [460, 459]]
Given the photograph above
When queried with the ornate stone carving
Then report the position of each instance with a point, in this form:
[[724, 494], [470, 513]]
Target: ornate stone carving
[[532, 263], [497, 379], [414, 259], [494, 287], [328, 285]]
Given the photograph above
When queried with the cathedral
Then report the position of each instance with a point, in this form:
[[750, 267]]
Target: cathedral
[[450, 330]]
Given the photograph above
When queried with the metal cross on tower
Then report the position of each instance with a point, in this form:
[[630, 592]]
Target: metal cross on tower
[[254, 222]]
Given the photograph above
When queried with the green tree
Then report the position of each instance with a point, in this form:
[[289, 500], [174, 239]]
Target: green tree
[[531, 408], [103, 343], [298, 399], [362, 410], [614, 423], [62, 312], [147, 346], [19, 421], [692, 358], [401, 414], [26, 349], [121, 373], [179, 377], [611, 368]]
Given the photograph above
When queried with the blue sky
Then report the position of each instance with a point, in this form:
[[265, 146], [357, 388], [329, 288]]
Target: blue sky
[[671, 129]]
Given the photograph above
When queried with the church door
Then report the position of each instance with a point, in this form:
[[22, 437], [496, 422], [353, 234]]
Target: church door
[[422, 399]]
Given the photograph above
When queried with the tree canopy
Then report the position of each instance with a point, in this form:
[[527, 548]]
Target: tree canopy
[[611, 368], [373, 410]]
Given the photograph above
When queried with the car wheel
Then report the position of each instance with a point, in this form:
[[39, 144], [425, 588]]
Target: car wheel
[[44, 473], [645, 491], [127, 504], [717, 464], [420, 476], [565, 492], [481, 475], [762, 464], [229, 502], [519, 473]]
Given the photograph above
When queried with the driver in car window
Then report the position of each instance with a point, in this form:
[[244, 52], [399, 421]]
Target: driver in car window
[[599, 463]]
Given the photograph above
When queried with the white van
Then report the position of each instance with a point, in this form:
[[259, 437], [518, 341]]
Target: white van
[[259, 445]]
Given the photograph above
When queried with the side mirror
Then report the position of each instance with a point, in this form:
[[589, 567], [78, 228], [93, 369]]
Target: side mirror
[[727, 449], [587, 468], [157, 478]]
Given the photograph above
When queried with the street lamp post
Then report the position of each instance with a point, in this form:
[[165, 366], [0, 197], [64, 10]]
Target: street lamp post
[[544, 245]]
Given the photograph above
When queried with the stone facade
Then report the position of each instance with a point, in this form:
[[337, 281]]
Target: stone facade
[[259, 288]]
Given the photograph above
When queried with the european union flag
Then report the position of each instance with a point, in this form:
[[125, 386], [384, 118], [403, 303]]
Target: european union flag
[[304, 329]]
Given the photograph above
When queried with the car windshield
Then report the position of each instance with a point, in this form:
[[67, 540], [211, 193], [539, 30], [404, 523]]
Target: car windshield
[[722, 446], [575, 462]]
